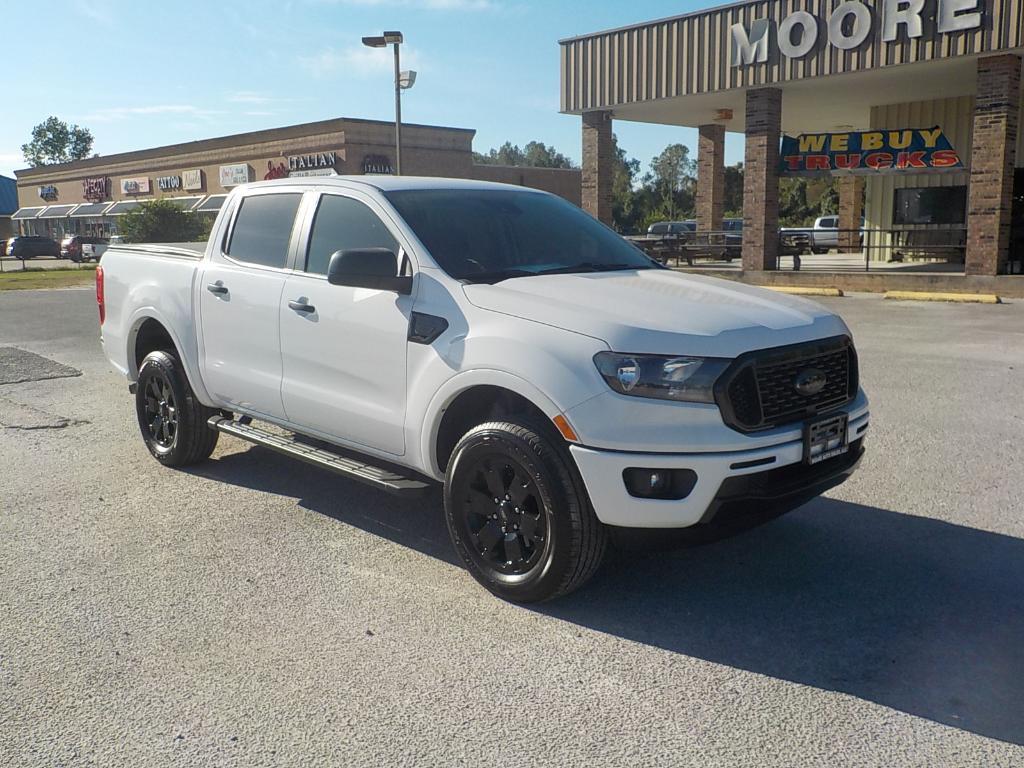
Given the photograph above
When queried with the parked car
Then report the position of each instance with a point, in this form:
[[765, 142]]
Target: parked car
[[82, 247], [31, 246], [672, 228], [823, 235], [492, 339]]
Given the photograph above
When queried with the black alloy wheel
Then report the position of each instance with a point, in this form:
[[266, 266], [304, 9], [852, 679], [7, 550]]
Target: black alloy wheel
[[504, 516], [171, 419], [518, 513], [161, 413]]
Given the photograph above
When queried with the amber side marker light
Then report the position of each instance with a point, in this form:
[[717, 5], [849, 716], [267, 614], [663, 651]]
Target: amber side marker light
[[563, 427]]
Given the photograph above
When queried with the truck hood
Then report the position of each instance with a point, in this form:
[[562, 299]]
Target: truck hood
[[658, 311]]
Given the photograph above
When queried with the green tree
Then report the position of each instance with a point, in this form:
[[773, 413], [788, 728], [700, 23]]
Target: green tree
[[794, 209], [161, 221], [829, 201], [54, 141], [626, 208], [536, 154], [734, 190], [539, 155], [672, 177]]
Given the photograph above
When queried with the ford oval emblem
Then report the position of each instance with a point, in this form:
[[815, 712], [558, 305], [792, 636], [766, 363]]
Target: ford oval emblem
[[810, 382]]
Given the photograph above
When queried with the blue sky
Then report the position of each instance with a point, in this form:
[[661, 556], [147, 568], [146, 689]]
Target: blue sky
[[144, 74]]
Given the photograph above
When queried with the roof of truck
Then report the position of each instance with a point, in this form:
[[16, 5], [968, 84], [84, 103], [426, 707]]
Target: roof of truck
[[391, 183]]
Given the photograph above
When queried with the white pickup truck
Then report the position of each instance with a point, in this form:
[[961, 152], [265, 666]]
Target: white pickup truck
[[497, 340]]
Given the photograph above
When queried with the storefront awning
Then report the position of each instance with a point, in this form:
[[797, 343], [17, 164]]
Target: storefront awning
[[211, 204], [186, 203], [57, 211], [122, 207], [90, 209], [27, 213]]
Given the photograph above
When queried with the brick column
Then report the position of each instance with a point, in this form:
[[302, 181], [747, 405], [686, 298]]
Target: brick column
[[761, 179], [598, 166], [993, 153], [710, 177], [851, 210]]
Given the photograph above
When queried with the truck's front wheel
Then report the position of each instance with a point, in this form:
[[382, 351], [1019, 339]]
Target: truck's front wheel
[[518, 513], [171, 419]]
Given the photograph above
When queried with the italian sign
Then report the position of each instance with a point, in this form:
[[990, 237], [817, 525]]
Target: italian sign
[[865, 152]]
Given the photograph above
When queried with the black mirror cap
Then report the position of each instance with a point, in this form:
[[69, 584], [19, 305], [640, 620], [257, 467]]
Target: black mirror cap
[[375, 268]]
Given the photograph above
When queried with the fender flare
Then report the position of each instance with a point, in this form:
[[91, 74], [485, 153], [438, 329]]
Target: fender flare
[[140, 316], [458, 384]]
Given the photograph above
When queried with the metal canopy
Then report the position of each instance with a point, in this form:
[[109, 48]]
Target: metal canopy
[[122, 207], [91, 209], [212, 204], [57, 211], [186, 203], [27, 213]]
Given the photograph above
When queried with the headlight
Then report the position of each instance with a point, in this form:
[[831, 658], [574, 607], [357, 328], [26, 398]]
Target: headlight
[[690, 379]]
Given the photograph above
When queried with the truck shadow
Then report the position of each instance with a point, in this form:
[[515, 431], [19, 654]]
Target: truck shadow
[[919, 615]]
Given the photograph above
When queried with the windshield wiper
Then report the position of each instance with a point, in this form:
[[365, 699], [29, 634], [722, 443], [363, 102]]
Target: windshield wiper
[[496, 276], [591, 266]]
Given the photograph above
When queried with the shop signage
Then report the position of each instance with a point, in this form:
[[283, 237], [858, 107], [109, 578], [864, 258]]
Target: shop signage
[[378, 164], [279, 171], [849, 26], [316, 160], [48, 192], [313, 172], [192, 180], [139, 186], [864, 152], [96, 189], [233, 175], [168, 183]]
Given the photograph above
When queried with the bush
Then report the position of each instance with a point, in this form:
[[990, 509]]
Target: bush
[[161, 221]]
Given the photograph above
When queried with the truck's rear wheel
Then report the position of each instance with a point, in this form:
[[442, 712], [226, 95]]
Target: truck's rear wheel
[[171, 419], [518, 513]]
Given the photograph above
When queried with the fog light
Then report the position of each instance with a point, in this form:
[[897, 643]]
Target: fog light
[[669, 484]]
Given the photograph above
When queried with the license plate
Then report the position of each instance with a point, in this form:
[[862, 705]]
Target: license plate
[[825, 438]]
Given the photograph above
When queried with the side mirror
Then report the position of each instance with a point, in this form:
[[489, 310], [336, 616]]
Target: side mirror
[[368, 268]]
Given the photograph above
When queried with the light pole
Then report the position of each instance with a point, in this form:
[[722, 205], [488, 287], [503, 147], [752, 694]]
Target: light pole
[[403, 80]]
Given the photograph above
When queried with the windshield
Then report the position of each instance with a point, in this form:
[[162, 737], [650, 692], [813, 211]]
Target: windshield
[[491, 235]]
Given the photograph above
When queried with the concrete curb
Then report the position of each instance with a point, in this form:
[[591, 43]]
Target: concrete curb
[[959, 298], [805, 290]]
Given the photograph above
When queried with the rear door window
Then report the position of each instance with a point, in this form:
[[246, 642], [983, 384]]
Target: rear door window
[[343, 224], [263, 229]]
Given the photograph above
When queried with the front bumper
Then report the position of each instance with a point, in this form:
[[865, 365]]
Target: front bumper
[[773, 478]]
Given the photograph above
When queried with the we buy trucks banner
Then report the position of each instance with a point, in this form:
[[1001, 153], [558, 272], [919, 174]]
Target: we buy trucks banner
[[865, 152]]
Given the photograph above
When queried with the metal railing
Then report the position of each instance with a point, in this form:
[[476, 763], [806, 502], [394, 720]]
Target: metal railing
[[867, 249]]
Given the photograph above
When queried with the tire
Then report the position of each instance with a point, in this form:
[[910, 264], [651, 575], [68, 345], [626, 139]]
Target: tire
[[518, 513], [172, 421]]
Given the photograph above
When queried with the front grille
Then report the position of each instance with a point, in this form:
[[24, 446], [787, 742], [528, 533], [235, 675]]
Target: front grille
[[759, 390]]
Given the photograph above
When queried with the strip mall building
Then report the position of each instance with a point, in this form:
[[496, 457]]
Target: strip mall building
[[913, 104], [88, 196]]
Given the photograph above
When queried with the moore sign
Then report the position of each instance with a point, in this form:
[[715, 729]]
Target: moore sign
[[849, 26]]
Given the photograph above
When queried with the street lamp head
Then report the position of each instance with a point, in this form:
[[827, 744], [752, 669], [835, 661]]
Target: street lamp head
[[407, 79], [375, 42], [393, 37]]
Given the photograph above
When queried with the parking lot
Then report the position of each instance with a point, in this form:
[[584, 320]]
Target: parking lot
[[255, 611]]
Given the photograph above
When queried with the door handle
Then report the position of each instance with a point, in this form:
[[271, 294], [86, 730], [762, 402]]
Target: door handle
[[301, 306], [217, 288]]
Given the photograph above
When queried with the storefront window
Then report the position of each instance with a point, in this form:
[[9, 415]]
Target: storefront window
[[930, 205]]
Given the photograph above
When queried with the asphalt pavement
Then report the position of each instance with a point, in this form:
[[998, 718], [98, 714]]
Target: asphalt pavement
[[254, 611]]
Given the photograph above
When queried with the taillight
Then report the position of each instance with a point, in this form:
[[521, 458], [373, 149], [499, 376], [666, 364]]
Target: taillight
[[99, 294]]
